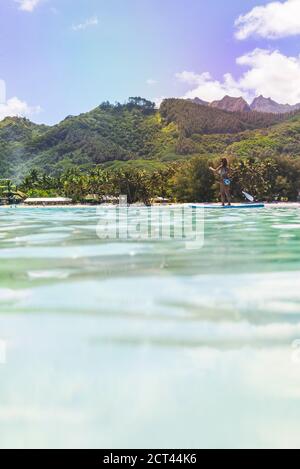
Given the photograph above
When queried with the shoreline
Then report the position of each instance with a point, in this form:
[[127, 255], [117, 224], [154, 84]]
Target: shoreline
[[73, 206]]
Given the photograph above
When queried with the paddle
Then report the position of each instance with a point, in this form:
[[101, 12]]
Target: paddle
[[248, 196]]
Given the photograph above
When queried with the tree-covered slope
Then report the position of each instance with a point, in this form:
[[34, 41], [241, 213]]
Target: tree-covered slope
[[108, 133], [193, 118], [137, 132], [15, 133]]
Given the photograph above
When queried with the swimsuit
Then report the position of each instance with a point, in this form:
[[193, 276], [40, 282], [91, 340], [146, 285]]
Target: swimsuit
[[224, 176]]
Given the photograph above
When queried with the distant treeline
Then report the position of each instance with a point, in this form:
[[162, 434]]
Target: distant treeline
[[187, 181]]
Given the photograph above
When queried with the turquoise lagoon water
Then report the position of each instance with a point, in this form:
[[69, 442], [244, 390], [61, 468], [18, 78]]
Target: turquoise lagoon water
[[148, 344]]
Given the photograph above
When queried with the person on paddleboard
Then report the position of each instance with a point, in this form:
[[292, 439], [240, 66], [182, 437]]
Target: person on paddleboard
[[224, 173]]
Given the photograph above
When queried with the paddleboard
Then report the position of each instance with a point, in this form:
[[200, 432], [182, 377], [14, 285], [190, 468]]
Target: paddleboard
[[228, 206]]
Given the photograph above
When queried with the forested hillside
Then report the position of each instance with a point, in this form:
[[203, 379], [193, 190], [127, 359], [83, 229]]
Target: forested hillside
[[193, 118], [138, 133]]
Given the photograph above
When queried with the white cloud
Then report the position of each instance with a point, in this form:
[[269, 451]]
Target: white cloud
[[272, 74], [14, 106], [90, 22], [28, 5], [209, 89], [274, 20], [159, 100], [269, 73], [151, 82]]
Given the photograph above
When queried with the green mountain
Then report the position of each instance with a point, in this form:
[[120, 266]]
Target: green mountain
[[139, 134]]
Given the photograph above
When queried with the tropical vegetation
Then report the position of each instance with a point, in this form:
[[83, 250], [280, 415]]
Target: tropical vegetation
[[145, 153]]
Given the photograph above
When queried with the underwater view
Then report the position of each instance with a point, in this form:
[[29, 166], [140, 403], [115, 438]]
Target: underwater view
[[119, 343]]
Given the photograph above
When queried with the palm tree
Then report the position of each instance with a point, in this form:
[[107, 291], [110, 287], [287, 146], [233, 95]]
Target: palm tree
[[10, 192]]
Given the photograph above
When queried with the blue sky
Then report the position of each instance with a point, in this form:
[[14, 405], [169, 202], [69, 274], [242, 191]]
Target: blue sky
[[61, 57]]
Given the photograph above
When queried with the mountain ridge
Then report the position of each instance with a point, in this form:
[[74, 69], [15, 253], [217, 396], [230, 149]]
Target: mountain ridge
[[262, 104], [231, 104], [259, 104]]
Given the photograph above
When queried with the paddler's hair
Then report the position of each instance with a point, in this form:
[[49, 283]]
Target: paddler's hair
[[224, 162]]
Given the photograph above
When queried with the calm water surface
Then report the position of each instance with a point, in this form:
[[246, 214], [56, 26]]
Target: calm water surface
[[148, 344]]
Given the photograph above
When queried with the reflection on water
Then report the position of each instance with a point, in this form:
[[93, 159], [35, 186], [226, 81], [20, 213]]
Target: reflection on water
[[148, 344]]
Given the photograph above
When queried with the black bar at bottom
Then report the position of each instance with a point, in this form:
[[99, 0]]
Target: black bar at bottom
[[109, 458]]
